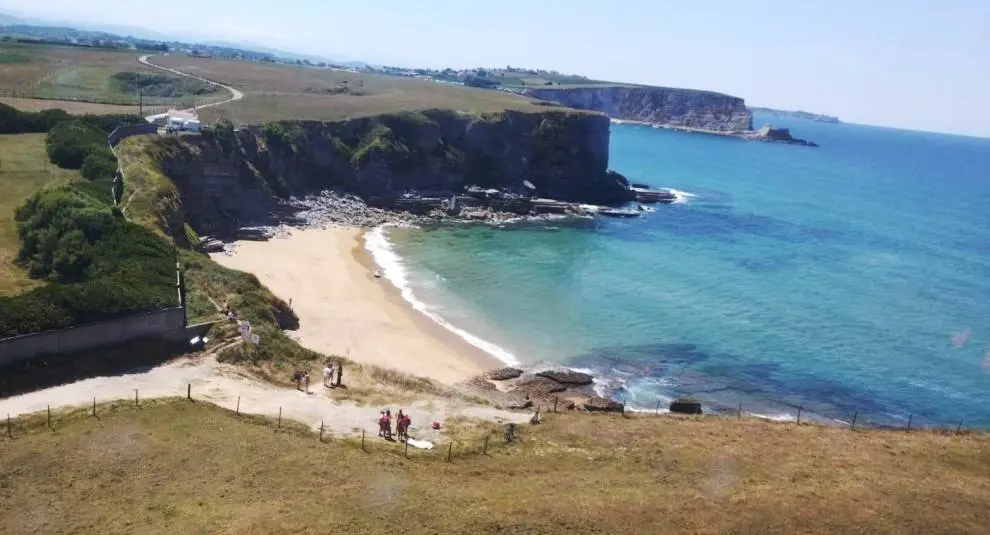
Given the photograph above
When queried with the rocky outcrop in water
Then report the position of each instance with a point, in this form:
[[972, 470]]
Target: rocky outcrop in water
[[682, 108], [562, 388], [226, 179], [778, 135]]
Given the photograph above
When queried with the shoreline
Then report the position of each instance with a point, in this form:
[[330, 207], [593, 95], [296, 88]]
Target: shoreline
[[345, 310]]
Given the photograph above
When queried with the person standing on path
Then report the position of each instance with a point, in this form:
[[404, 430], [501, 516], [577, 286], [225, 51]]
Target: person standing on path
[[328, 375], [306, 381]]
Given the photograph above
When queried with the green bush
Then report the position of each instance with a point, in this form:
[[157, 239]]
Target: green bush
[[100, 265], [100, 163], [70, 142], [14, 121], [160, 85]]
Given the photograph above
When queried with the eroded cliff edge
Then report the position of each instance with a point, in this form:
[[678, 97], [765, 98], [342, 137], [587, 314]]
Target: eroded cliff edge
[[680, 108], [225, 179]]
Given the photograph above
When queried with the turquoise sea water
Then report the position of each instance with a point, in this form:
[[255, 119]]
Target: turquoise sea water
[[854, 277]]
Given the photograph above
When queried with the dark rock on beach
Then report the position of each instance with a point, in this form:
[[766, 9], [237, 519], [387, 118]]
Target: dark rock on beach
[[538, 386], [600, 404], [503, 374], [567, 377], [685, 406]]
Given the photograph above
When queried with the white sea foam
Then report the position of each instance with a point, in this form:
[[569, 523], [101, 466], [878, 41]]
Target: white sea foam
[[381, 250], [682, 196]]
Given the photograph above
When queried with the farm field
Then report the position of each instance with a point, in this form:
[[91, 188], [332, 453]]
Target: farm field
[[274, 92], [103, 76]]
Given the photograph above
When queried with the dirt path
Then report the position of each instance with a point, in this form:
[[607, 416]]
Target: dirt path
[[222, 384], [235, 93]]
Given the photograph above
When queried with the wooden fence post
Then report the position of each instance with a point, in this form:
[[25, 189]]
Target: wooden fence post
[[406, 452], [321, 430], [910, 417], [555, 404], [657, 413], [739, 412], [238, 409], [136, 397], [484, 450], [10, 430], [50, 418], [189, 391], [94, 406], [362, 440], [450, 451], [280, 417], [853, 426], [799, 415]]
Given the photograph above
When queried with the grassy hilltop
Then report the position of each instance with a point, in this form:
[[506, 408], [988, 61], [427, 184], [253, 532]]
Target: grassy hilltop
[[175, 466]]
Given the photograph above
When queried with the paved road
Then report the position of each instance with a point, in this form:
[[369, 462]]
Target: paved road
[[235, 94]]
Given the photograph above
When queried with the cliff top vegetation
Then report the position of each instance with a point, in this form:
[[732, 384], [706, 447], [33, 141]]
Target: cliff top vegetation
[[213, 470]]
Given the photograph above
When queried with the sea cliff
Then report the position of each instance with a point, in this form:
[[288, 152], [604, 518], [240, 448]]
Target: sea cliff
[[681, 108], [224, 179]]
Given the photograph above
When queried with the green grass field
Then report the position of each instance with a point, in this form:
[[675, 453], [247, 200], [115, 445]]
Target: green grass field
[[24, 169], [172, 466]]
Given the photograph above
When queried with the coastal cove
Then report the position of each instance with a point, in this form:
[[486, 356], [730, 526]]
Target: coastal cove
[[837, 280]]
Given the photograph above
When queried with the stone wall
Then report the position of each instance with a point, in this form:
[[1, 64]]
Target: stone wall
[[169, 324]]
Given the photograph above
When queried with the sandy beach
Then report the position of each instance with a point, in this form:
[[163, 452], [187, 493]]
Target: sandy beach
[[344, 310]]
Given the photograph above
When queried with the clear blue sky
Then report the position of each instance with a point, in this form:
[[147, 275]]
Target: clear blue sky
[[912, 64]]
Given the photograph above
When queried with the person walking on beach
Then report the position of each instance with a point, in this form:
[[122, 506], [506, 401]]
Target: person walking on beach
[[388, 424], [328, 375], [305, 379], [297, 378], [381, 424]]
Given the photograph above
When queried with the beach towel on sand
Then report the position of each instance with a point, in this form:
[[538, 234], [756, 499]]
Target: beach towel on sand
[[421, 444]]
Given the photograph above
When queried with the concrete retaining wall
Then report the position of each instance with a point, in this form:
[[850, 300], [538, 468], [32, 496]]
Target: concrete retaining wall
[[131, 130], [168, 324]]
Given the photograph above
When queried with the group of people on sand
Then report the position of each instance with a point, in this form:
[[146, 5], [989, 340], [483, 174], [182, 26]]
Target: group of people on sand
[[402, 422]]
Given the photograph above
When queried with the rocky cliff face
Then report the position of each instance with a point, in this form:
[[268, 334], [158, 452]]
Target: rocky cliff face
[[683, 108], [228, 179]]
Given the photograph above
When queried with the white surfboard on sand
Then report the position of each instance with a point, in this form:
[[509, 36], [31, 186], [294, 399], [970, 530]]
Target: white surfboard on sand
[[421, 444]]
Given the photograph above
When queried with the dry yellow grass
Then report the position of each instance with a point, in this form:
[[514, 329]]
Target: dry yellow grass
[[24, 169], [274, 92], [176, 466], [70, 106]]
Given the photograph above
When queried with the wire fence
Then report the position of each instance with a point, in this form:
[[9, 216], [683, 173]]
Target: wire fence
[[459, 447], [778, 411], [448, 450]]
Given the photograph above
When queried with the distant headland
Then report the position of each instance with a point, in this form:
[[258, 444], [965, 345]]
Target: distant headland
[[817, 117]]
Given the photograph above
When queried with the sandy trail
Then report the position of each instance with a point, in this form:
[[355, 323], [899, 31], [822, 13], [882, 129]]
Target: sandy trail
[[222, 384]]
